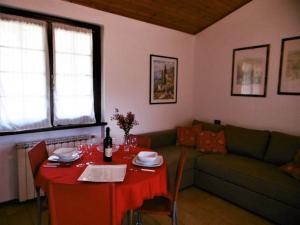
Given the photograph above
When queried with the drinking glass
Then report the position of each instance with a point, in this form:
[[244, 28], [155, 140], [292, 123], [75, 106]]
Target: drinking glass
[[116, 144], [133, 144], [89, 149], [126, 148], [81, 149]]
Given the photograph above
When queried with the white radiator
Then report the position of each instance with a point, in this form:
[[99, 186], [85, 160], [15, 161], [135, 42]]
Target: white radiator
[[25, 178]]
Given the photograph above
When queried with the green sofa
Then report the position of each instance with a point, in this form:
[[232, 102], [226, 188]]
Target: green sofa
[[248, 175]]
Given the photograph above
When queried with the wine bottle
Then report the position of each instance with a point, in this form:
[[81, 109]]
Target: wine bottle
[[107, 147]]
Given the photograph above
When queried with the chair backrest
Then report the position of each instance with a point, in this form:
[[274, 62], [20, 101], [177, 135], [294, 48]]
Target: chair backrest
[[180, 168], [37, 155], [80, 204]]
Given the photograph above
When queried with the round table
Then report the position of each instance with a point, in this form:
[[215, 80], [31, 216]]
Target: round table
[[137, 186]]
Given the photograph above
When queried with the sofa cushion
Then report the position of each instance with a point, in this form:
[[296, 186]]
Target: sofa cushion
[[171, 156], [252, 174], [186, 136], [248, 142], [161, 138], [209, 126], [293, 168], [211, 142], [282, 148]]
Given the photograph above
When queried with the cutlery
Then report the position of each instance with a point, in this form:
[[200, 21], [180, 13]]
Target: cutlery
[[148, 170], [47, 165], [52, 164], [56, 164]]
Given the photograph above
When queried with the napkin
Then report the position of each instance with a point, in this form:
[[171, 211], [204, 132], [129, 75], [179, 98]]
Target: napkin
[[104, 173]]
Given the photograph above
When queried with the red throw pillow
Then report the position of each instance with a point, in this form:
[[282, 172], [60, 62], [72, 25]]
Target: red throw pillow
[[186, 136], [211, 142], [297, 158], [293, 168]]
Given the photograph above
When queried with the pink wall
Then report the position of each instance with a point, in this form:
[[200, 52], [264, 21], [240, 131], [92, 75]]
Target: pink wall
[[127, 45], [259, 22]]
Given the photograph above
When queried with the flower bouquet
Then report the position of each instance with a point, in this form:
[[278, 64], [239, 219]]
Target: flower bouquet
[[126, 123]]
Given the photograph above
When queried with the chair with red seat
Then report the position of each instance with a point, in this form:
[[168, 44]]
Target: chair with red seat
[[81, 204], [165, 205], [37, 155]]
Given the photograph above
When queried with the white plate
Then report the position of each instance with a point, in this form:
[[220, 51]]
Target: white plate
[[104, 173], [66, 153], [55, 158], [158, 162], [62, 151]]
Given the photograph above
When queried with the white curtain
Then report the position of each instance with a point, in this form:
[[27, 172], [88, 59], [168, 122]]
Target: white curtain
[[23, 74], [73, 75]]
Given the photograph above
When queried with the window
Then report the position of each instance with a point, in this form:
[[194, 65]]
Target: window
[[49, 73], [73, 80]]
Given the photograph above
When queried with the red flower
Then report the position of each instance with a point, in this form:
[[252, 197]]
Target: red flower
[[125, 123]]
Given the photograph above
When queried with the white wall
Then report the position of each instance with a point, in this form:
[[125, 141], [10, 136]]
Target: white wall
[[259, 22], [127, 45]]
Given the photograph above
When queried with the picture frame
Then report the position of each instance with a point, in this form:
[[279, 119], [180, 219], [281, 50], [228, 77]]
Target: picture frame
[[163, 79], [289, 69], [250, 71]]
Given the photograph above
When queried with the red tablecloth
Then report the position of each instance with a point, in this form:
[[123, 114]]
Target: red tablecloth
[[122, 196]]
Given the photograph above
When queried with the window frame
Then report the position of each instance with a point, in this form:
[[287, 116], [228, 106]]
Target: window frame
[[97, 75]]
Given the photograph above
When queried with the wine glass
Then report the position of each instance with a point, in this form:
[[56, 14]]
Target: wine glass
[[133, 144], [81, 149], [89, 153], [116, 144], [126, 148]]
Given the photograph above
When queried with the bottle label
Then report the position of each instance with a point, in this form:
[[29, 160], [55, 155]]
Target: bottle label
[[108, 152]]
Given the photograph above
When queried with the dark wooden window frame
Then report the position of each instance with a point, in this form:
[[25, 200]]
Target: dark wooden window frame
[[96, 29]]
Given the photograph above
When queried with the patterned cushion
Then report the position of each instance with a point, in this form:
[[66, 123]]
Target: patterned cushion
[[212, 142], [186, 136], [297, 158], [293, 168]]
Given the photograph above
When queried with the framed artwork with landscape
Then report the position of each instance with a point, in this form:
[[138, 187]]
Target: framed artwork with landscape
[[249, 71], [289, 70], [163, 79]]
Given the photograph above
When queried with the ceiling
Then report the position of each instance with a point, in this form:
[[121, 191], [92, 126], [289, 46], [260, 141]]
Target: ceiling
[[189, 16]]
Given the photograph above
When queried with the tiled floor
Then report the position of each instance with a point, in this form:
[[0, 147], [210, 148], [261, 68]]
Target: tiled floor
[[196, 207]]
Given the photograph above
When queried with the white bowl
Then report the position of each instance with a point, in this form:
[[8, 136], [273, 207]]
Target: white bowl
[[145, 156], [66, 153]]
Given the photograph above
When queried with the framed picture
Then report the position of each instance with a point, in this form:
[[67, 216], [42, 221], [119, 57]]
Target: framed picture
[[163, 79], [289, 70], [249, 71]]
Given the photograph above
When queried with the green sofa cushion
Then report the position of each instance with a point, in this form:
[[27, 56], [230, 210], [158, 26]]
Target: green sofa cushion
[[248, 142], [254, 175], [209, 126], [171, 156], [161, 138], [282, 148]]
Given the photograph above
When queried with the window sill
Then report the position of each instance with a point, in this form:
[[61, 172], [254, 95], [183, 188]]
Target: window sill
[[53, 129]]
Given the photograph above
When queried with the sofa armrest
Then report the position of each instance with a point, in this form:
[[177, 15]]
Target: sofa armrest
[[157, 139]]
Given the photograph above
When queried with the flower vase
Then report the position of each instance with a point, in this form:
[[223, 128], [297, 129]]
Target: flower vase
[[126, 143]]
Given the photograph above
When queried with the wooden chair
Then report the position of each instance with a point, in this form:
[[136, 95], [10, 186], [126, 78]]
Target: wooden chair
[[165, 205], [37, 155]]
